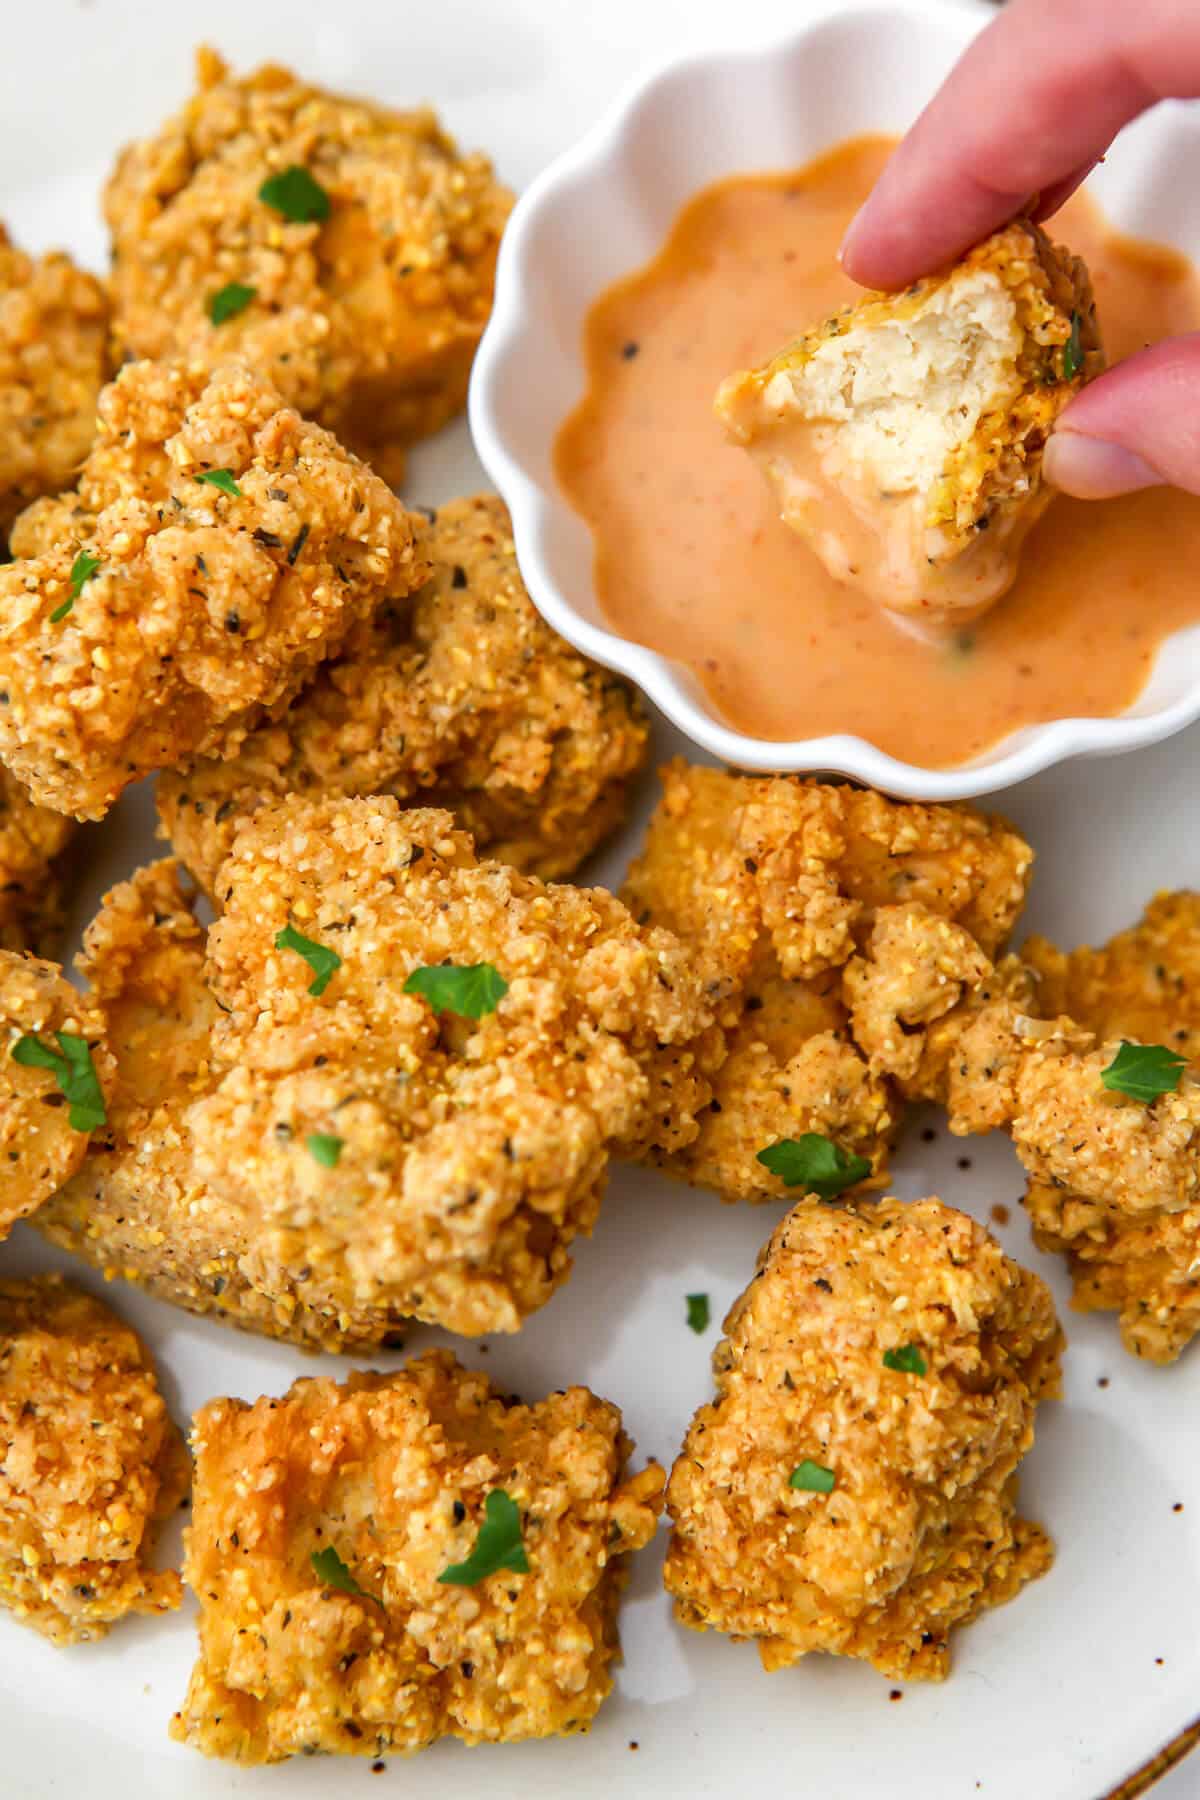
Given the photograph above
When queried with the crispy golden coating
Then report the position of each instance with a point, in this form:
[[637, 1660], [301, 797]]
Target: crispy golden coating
[[53, 363], [39, 1147], [773, 881], [919, 1532], [366, 321], [470, 1155], [1114, 1182], [1135, 1252], [934, 1013], [392, 1473], [90, 1465], [1143, 984], [33, 871], [205, 607], [464, 698], [903, 437]]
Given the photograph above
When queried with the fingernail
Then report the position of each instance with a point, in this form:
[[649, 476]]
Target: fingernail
[[1091, 468]]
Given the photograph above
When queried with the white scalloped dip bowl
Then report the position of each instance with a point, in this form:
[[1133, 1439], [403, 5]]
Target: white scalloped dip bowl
[[604, 208]]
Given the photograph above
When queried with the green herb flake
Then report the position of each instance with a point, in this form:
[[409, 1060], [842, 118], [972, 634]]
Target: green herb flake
[[697, 1312], [323, 961], [815, 1163], [907, 1360], [1144, 1071], [498, 1545], [296, 194], [332, 1572], [222, 479], [1073, 349], [469, 990], [74, 1071], [324, 1148], [82, 570], [812, 1478], [229, 301]]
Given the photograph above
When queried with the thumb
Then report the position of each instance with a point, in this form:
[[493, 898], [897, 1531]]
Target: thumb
[[1136, 426]]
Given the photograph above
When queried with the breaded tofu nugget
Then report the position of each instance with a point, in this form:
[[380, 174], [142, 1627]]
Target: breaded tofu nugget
[[1140, 1260], [903, 437], [339, 1131], [90, 1465], [218, 549], [932, 1012], [935, 1014], [399, 1558], [34, 845], [53, 363], [772, 881], [55, 1074], [1143, 984], [464, 698], [342, 249], [853, 1486]]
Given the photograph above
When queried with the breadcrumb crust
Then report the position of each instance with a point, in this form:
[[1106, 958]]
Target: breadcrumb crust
[[919, 1532], [392, 1473], [206, 605], [90, 1465], [367, 321], [462, 698]]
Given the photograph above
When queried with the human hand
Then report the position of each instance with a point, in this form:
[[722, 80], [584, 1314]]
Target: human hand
[[1023, 118]]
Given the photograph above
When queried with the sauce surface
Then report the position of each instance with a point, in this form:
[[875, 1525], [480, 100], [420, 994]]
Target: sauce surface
[[692, 560]]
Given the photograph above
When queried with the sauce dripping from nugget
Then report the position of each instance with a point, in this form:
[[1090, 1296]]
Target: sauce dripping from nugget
[[692, 559]]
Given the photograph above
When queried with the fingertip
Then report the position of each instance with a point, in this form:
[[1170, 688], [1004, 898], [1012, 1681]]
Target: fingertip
[[1092, 468], [845, 253]]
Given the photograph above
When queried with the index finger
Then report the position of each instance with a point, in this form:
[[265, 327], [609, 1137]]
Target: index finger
[[1033, 103]]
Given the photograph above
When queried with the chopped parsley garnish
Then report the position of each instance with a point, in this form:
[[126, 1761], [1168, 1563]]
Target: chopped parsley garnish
[[296, 194], [1144, 1071], [814, 1163], [323, 961], [697, 1312], [1073, 349], [82, 570], [222, 479], [907, 1360], [498, 1545], [332, 1572], [74, 1071], [812, 1478], [470, 990], [324, 1148], [229, 301]]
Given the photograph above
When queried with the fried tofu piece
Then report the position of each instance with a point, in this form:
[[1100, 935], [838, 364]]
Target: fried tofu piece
[[387, 1477], [362, 304], [773, 881], [464, 698], [936, 1015], [322, 1166], [53, 363], [903, 437], [90, 1465], [830, 1500], [1136, 1251], [1144, 984], [34, 871], [218, 549], [41, 1146]]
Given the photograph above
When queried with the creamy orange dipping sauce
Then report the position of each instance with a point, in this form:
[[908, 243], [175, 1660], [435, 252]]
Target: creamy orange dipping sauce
[[692, 560]]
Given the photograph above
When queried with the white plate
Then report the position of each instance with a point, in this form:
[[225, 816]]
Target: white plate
[[1053, 1698]]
